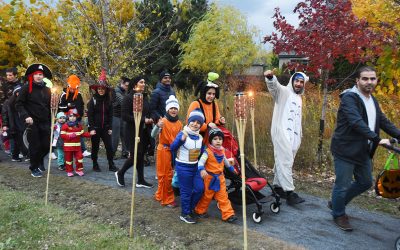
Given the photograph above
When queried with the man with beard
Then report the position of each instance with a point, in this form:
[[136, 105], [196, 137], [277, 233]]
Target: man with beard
[[354, 142], [33, 106], [286, 131]]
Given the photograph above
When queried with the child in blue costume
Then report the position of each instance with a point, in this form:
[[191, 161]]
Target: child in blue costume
[[188, 147]]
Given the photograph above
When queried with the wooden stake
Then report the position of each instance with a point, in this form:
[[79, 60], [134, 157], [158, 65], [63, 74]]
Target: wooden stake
[[53, 109], [252, 108], [137, 113]]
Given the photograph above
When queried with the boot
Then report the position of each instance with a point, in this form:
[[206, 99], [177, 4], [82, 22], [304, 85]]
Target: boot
[[112, 167], [96, 167]]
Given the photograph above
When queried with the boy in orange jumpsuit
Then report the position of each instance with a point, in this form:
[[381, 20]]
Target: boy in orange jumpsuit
[[167, 128], [71, 133], [211, 166]]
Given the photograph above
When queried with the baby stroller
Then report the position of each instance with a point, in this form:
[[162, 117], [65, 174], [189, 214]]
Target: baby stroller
[[255, 181]]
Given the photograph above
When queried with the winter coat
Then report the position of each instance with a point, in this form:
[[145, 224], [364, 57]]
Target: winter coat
[[35, 104], [350, 140], [100, 112], [118, 96], [127, 116], [158, 98], [72, 143], [66, 104], [6, 90]]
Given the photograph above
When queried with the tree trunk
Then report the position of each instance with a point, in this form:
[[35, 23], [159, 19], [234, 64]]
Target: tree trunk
[[322, 119]]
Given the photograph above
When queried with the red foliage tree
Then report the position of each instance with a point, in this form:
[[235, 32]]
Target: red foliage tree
[[328, 30]]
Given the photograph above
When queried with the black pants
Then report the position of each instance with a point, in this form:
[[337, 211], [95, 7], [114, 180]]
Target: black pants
[[106, 138], [39, 142], [19, 146], [140, 158]]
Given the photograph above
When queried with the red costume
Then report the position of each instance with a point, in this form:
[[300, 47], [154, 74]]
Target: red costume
[[72, 145]]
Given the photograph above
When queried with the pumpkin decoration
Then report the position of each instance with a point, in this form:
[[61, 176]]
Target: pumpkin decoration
[[388, 181]]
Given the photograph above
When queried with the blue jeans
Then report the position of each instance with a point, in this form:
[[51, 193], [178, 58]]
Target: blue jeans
[[346, 188]]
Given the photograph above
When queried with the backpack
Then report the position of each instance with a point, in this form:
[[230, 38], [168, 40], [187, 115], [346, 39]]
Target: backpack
[[387, 182]]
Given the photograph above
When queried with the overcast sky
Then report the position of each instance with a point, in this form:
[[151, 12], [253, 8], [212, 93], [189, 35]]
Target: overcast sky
[[259, 12]]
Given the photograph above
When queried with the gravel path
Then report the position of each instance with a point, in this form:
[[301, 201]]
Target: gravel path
[[308, 224]]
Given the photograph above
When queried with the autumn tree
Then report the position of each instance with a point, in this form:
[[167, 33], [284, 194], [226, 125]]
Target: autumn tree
[[387, 22], [220, 42], [328, 30]]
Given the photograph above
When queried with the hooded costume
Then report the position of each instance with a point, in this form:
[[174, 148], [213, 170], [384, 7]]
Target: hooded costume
[[70, 100], [34, 101], [209, 109], [286, 129], [167, 134]]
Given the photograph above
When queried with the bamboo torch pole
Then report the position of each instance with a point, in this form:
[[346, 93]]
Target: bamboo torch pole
[[53, 109], [252, 108], [137, 114], [241, 119]]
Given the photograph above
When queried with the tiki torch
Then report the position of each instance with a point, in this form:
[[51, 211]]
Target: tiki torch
[[137, 114], [241, 119], [251, 102], [53, 109]]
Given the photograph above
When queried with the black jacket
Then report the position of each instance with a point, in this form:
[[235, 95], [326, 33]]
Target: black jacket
[[35, 104], [350, 139], [10, 116], [118, 96], [6, 90], [66, 104], [127, 116], [99, 112], [157, 100]]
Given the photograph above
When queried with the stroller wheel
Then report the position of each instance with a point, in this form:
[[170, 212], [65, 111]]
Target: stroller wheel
[[257, 217], [274, 208]]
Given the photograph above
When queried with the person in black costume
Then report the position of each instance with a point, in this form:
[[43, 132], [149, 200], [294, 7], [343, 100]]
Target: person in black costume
[[137, 85]]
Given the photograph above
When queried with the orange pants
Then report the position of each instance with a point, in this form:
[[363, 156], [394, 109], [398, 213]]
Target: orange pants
[[165, 193], [221, 197]]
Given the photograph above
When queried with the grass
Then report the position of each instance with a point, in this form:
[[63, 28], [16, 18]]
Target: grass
[[27, 224]]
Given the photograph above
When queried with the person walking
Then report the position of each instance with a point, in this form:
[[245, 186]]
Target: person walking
[[286, 131], [354, 141]]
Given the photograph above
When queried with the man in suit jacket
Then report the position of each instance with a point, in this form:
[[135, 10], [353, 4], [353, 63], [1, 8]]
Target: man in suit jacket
[[354, 142]]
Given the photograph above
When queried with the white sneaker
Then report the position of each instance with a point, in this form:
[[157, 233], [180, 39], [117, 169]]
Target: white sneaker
[[53, 156], [86, 153]]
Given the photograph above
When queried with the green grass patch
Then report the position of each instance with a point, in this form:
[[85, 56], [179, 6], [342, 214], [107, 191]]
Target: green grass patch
[[25, 223]]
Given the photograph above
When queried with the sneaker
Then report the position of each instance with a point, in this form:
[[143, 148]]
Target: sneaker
[[86, 153], [293, 199], [120, 179], [36, 173], [53, 156], [342, 222], [201, 216], [27, 159], [172, 205], [61, 168], [329, 205], [282, 194], [188, 219], [16, 159], [80, 173], [144, 184], [231, 219], [42, 168], [70, 174]]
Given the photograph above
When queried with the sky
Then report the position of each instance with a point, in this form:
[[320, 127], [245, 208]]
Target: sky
[[259, 13]]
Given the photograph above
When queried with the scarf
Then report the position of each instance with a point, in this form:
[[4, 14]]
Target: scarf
[[170, 118], [191, 132], [218, 152], [72, 124]]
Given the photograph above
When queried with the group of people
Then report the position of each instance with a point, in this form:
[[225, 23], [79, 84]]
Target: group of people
[[191, 155]]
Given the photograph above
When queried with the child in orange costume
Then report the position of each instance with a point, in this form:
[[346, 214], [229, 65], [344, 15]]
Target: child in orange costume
[[71, 133], [211, 166], [167, 128], [209, 91]]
